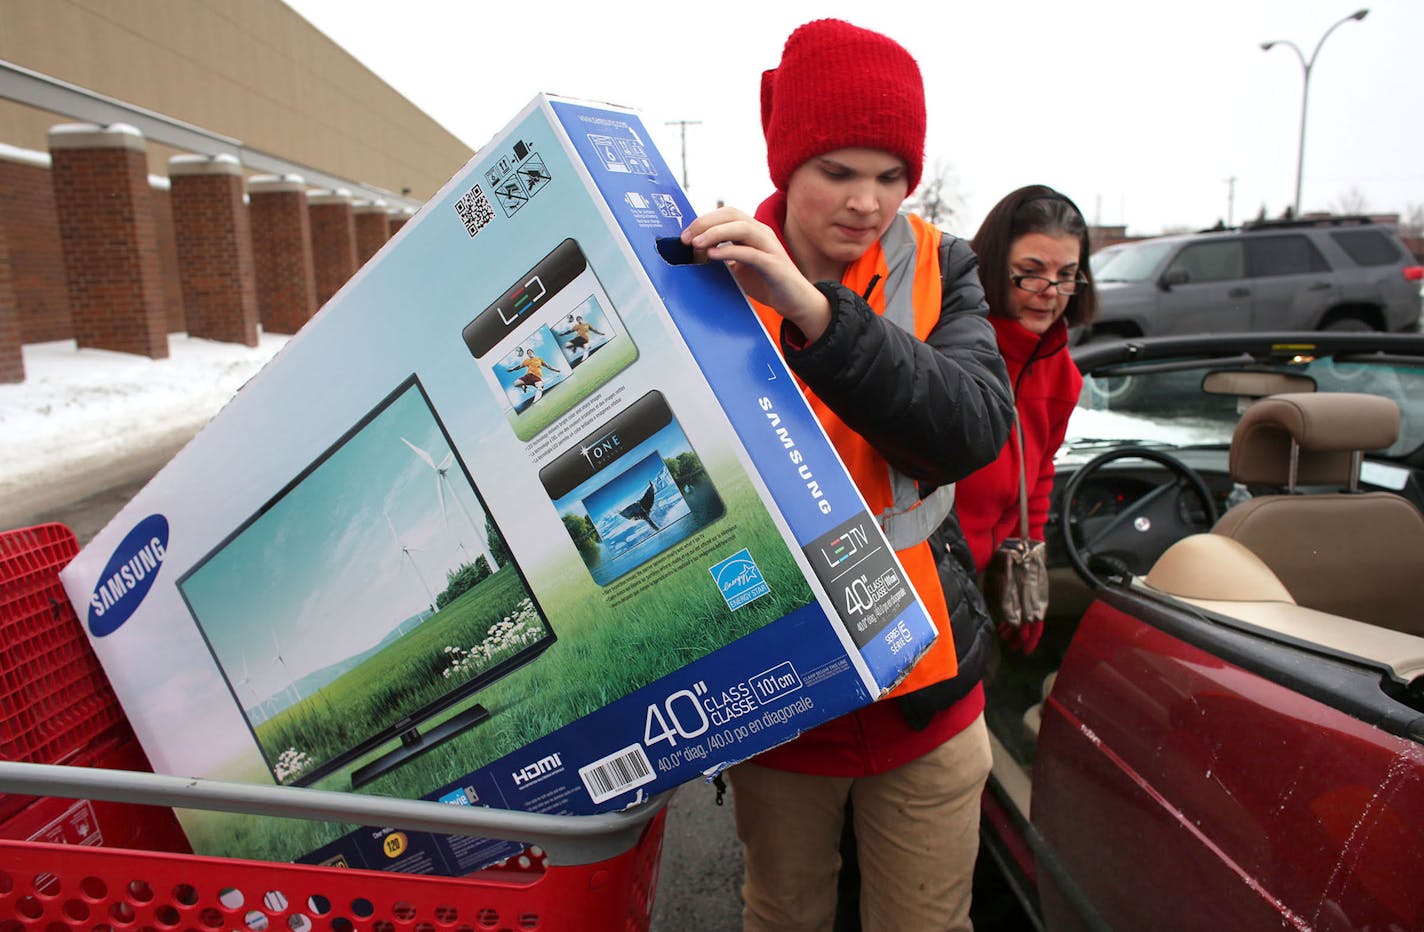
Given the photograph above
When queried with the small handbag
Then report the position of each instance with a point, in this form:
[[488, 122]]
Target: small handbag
[[1016, 579]]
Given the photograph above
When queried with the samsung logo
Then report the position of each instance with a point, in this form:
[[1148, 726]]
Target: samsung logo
[[537, 769], [128, 575], [798, 460]]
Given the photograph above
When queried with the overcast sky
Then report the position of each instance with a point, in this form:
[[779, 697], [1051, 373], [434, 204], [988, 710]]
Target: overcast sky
[[1140, 110]]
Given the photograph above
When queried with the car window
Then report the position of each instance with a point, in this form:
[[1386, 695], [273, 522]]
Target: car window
[[1368, 247], [1133, 263], [1402, 383], [1211, 262], [1100, 259], [1283, 255]]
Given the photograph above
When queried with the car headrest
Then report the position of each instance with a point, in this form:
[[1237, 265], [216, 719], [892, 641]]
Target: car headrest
[[1321, 432]]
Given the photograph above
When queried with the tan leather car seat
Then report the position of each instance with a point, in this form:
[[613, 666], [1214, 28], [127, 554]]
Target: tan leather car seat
[[1360, 555]]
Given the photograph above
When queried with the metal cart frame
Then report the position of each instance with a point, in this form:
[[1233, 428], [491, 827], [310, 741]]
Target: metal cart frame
[[585, 873]]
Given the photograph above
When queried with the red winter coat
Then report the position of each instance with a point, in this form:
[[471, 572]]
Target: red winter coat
[[1046, 387]]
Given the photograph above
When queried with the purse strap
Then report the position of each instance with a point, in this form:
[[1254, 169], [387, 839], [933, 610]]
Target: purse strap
[[1023, 479]]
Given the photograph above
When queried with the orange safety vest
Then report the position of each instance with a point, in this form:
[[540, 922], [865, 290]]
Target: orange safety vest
[[871, 473]]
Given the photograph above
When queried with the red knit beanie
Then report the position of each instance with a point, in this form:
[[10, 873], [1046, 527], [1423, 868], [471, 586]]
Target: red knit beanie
[[840, 86]]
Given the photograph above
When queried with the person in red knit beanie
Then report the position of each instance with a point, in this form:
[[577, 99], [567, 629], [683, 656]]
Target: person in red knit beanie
[[882, 320], [838, 86], [1033, 246]]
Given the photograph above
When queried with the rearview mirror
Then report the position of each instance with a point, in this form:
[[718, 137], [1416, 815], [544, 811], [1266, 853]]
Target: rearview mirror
[[1255, 383]]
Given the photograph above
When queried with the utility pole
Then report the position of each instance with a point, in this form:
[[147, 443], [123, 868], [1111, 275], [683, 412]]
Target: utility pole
[[1230, 200], [682, 126]]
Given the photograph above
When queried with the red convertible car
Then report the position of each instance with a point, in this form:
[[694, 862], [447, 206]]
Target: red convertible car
[[1224, 725]]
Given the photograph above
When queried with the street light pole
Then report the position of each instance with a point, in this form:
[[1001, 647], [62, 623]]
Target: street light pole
[[1306, 64]]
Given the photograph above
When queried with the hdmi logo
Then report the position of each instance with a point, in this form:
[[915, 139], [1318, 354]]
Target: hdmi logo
[[537, 769]]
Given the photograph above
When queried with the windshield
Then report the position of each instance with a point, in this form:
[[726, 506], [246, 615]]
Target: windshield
[[1142, 402], [1100, 258], [1130, 263]]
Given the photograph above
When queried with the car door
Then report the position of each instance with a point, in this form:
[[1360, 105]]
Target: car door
[[1203, 289], [1291, 283], [1191, 774]]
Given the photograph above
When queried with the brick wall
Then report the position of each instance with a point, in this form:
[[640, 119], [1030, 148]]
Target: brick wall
[[1101, 236], [281, 252], [372, 230], [27, 215], [214, 238], [108, 236], [333, 238], [172, 289], [1415, 245], [398, 219], [12, 360]]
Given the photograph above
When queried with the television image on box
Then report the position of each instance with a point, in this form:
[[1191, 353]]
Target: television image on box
[[584, 331], [535, 366], [640, 502], [631, 489], [366, 602], [561, 313]]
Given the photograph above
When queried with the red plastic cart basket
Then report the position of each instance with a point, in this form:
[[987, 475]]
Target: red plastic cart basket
[[54, 698], [584, 873], [56, 706]]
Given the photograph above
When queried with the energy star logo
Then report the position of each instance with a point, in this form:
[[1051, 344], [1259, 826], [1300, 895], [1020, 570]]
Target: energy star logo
[[739, 579]]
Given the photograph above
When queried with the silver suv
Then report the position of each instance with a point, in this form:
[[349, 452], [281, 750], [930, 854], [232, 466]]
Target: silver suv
[[1337, 273]]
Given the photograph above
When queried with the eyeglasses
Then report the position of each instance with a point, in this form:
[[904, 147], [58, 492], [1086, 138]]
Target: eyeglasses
[[1037, 284]]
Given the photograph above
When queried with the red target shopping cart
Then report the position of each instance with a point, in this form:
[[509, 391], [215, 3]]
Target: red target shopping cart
[[88, 840]]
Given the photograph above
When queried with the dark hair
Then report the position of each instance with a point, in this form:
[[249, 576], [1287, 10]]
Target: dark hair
[[1035, 208]]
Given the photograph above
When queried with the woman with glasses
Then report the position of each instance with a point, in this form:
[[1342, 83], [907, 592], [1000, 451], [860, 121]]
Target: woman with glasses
[[1033, 261]]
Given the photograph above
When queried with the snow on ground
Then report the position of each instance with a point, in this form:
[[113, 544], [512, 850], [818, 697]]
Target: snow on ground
[[82, 407]]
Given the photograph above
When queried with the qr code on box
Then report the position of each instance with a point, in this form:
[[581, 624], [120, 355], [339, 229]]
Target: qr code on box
[[474, 210]]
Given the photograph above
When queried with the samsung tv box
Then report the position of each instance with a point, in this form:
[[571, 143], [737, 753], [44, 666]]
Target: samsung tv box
[[525, 517]]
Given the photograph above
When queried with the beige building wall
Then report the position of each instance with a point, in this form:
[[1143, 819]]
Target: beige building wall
[[252, 70]]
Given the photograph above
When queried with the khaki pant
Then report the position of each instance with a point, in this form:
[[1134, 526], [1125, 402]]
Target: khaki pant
[[917, 832]]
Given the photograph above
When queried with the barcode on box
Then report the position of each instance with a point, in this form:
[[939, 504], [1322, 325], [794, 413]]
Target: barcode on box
[[617, 773], [474, 210]]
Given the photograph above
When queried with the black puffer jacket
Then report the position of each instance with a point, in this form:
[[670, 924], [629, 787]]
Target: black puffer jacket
[[937, 410]]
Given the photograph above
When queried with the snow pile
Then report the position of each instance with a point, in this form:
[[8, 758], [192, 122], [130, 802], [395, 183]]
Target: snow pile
[[79, 409]]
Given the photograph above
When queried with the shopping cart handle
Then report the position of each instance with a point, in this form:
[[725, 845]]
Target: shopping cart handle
[[567, 840]]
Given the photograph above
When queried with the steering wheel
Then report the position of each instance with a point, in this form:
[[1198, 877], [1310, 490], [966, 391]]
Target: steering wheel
[[1138, 534]]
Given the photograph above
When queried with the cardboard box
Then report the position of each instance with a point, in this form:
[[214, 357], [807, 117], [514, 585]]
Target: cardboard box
[[526, 517]]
